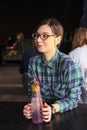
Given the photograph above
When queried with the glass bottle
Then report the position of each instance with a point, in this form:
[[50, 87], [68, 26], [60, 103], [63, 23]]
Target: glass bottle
[[36, 103]]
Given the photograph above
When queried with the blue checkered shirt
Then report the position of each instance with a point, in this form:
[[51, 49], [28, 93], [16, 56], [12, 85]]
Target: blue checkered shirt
[[60, 80]]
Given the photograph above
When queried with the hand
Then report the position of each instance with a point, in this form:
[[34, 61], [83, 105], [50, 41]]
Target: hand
[[46, 112], [27, 111]]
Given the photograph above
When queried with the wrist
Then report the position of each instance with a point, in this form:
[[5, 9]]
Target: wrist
[[53, 110], [56, 106]]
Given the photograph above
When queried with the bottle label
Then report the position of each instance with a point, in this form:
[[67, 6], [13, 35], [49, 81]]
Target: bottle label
[[34, 94]]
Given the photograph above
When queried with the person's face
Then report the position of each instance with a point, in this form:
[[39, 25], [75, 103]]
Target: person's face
[[45, 40], [19, 38]]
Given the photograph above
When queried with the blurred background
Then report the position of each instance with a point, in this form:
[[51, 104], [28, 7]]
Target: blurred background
[[16, 16], [21, 17]]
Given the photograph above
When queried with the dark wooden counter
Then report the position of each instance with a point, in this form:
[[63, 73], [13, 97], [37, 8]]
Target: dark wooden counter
[[11, 118]]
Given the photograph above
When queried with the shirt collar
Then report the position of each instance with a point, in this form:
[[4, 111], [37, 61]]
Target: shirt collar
[[52, 62]]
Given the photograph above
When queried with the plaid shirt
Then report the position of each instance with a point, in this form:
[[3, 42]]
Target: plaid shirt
[[60, 80]]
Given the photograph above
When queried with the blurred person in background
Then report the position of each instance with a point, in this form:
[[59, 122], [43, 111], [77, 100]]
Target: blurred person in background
[[79, 56], [13, 49], [79, 48]]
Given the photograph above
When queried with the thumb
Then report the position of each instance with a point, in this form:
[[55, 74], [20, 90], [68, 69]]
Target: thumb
[[45, 105]]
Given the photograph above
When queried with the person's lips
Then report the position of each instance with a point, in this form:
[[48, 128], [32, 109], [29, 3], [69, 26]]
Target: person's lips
[[39, 46]]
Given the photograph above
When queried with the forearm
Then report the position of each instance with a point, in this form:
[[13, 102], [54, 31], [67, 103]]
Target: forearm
[[66, 104]]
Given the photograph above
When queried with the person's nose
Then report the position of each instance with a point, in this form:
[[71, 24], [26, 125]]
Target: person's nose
[[39, 38]]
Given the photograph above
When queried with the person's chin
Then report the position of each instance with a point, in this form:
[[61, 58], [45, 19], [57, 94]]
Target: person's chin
[[40, 50]]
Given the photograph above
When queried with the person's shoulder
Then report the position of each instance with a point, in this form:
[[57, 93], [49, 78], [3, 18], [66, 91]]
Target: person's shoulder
[[64, 56], [36, 58], [65, 59], [75, 51]]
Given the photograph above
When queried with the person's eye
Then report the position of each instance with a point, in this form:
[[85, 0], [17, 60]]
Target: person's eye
[[44, 36]]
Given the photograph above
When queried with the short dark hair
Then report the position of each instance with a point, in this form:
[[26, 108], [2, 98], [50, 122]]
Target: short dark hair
[[55, 26]]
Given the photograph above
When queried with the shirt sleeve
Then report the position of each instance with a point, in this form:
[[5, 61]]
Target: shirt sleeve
[[73, 82]]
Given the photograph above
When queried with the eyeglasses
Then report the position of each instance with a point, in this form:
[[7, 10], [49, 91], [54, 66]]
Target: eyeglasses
[[43, 36]]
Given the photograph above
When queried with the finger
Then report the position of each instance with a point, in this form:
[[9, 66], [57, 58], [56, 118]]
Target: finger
[[47, 120], [45, 113], [27, 114], [46, 117], [25, 110], [28, 117], [29, 104], [45, 105], [45, 109], [27, 107]]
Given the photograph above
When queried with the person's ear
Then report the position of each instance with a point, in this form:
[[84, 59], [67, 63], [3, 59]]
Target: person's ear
[[58, 40]]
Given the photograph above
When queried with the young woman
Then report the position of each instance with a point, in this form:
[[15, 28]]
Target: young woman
[[60, 78]]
